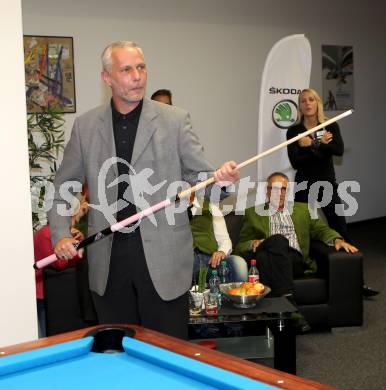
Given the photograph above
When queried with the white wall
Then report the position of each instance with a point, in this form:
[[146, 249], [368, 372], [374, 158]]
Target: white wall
[[17, 288], [211, 55]]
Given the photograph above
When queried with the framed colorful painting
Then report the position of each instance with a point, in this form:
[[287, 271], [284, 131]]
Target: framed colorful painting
[[49, 73]]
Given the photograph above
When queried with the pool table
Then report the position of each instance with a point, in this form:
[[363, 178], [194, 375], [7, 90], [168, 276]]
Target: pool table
[[129, 356]]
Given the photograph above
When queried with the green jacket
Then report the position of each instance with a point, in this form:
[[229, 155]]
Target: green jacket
[[202, 231], [256, 227]]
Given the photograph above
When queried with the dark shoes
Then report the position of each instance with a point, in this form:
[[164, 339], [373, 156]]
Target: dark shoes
[[301, 325], [368, 292]]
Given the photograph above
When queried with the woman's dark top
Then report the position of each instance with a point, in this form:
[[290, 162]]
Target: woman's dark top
[[315, 162]]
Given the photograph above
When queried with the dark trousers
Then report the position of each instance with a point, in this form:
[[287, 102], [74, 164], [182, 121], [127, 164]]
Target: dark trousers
[[84, 293], [278, 265], [41, 318], [130, 297], [336, 222]]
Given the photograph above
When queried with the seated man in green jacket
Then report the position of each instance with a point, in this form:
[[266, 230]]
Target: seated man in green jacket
[[211, 241], [278, 233]]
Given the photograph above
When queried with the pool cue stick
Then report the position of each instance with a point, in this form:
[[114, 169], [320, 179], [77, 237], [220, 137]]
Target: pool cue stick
[[205, 183], [183, 194]]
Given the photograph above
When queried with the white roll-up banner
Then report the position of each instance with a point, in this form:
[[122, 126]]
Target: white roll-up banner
[[286, 72]]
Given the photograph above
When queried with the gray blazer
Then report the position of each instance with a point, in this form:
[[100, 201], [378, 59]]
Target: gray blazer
[[166, 143]]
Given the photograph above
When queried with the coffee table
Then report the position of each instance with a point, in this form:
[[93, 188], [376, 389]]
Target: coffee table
[[264, 331]]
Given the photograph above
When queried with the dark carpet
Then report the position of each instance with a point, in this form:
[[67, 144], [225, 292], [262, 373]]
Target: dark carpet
[[354, 357]]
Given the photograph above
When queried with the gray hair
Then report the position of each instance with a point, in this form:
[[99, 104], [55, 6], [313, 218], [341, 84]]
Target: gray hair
[[106, 54]]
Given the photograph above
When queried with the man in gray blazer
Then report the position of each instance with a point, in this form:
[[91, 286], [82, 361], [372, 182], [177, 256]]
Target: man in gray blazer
[[140, 277]]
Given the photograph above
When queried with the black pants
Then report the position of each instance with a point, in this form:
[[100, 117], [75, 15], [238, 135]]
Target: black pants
[[130, 297], [84, 293], [278, 265], [335, 221]]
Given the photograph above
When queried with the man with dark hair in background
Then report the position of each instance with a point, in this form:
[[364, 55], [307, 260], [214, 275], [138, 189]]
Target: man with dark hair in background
[[163, 96]]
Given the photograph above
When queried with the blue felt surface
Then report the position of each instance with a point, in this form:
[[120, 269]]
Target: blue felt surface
[[190, 368], [71, 366], [43, 356]]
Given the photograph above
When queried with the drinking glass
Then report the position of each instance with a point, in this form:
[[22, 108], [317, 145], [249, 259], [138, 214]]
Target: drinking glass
[[211, 304], [195, 303]]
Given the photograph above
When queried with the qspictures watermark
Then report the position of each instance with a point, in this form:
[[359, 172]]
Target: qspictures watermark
[[139, 192]]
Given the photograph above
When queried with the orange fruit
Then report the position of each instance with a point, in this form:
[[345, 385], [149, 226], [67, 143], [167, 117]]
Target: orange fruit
[[234, 291], [259, 288], [243, 291]]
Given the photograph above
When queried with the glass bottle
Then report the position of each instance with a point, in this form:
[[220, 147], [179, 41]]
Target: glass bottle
[[253, 273], [223, 272]]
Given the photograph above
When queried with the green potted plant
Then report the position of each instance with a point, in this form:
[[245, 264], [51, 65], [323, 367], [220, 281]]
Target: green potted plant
[[198, 290], [201, 285], [46, 140]]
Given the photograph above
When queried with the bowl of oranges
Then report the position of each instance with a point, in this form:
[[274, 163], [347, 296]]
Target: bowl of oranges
[[244, 294]]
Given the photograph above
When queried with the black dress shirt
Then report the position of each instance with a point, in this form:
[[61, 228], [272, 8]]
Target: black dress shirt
[[125, 130]]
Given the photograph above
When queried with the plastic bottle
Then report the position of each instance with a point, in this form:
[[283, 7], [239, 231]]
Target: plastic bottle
[[223, 272], [253, 273], [214, 289], [214, 282]]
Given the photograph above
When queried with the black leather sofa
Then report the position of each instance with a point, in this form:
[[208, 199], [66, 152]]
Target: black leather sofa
[[333, 296]]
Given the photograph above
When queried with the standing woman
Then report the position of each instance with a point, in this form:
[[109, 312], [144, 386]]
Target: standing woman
[[312, 156]]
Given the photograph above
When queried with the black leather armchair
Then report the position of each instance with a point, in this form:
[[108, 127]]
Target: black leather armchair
[[333, 296]]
